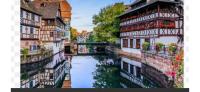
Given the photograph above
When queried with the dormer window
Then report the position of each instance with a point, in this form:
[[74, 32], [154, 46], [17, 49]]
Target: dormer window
[[42, 5]]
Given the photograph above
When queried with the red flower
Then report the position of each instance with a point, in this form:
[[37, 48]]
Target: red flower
[[171, 73], [178, 58]]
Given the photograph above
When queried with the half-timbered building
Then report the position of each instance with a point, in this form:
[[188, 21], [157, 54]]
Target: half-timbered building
[[30, 23], [52, 36], [151, 21]]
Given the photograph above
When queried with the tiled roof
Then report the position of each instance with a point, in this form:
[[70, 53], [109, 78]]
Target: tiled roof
[[143, 6], [51, 7], [48, 9], [26, 5], [65, 9]]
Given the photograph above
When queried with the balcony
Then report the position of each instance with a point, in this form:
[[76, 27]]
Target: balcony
[[29, 36], [35, 56], [48, 28], [29, 22], [162, 60]]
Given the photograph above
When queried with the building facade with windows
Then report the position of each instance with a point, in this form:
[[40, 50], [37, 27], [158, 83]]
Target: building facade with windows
[[30, 24], [52, 36], [152, 21]]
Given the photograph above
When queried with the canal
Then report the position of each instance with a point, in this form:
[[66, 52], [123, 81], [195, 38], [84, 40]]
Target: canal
[[95, 72], [105, 71]]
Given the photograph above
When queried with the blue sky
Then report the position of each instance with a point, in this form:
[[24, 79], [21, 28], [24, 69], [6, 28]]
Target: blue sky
[[83, 10]]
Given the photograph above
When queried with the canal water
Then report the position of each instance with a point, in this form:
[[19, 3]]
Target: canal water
[[95, 72], [104, 71]]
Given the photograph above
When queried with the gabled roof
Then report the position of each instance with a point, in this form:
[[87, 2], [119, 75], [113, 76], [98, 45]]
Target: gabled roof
[[65, 9], [26, 5], [48, 9], [147, 4]]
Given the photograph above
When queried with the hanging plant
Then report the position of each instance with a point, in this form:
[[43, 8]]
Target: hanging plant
[[172, 48], [179, 68], [24, 52], [159, 47], [24, 76], [146, 46]]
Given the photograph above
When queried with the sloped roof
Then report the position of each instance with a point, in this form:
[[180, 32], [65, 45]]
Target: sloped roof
[[26, 5], [143, 6], [65, 9], [48, 9]]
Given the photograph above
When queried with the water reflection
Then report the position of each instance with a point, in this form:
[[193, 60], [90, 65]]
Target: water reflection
[[97, 72], [113, 71]]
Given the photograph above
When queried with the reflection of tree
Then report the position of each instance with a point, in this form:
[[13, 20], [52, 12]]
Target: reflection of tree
[[106, 77]]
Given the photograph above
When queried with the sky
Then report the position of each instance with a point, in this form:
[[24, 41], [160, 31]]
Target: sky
[[83, 10]]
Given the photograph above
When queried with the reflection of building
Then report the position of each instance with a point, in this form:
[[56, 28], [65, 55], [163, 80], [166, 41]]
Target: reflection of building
[[54, 72], [152, 21], [156, 75], [67, 80], [131, 70]]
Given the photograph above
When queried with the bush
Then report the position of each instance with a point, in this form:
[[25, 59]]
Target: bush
[[172, 48], [24, 76], [145, 46], [159, 46], [24, 52]]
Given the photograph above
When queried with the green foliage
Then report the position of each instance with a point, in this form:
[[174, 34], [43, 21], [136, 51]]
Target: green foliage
[[24, 76], [107, 24], [24, 52], [145, 46], [74, 34], [90, 38], [159, 46], [172, 48]]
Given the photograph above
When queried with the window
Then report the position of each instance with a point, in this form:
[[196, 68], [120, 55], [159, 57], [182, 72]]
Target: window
[[51, 34], [31, 30], [21, 14], [125, 66], [33, 17], [137, 43], [138, 72], [24, 14], [37, 18], [48, 22], [31, 84], [27, 16], [20, 28], [25, 29], [147, 40], [34, 47], [131, 43], [131, 69], [125, 43], [51, 76]]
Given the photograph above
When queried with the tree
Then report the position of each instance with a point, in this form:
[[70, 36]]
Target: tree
[[107, 24], [74, 34]]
